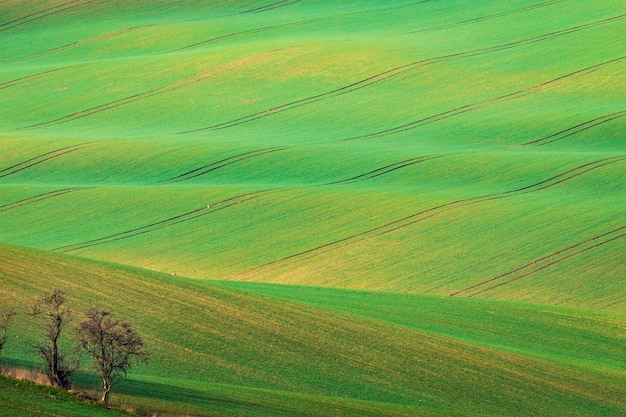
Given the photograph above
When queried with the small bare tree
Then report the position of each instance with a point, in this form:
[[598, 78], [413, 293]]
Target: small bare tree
[[5, 319], [56, 315], [112, 344]]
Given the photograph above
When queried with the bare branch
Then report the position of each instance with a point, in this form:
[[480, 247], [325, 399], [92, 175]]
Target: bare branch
[[5, 319], [112, 344], [56, 315]]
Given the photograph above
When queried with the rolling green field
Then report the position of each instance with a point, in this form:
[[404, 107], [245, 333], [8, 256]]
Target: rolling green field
[[316, 208]]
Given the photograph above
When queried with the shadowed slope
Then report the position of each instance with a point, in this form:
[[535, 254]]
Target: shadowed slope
[[229, 337]]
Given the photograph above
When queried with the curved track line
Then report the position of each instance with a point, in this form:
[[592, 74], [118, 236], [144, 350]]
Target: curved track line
[[534, 262], [21, 80], [387, 169], [581, 127], [393, 72], [555, 82], [543, 267], [435, 211], [271, 6], [489, 17], [205, 169], [297, 23], [38, 13], [181, 218], [37, 198], [72, 45], [43, 13], [42, 158], [177, 85]]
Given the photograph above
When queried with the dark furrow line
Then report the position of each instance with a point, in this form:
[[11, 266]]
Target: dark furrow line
[[70, 45], [107, 106], [245, 32], [555, 82], [224, 162], [38, 161], [21, 80], [386, 169], [211, 164], [432, 212], [581, 127], [53, 12], [573, 171], [39, 12], [449, 207], [271, 6], [37, 157], [490, 17], [573, 255], [177, 85], [229, 163], [577, 174], [544, 258], [393, 72], [445, 208], [211, 208], [298, 23], [36, 199]]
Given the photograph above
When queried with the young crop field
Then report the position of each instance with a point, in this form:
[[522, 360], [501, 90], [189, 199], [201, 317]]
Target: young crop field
[[325, 208]]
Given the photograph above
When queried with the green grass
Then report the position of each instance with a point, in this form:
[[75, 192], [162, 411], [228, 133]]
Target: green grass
[[415, 150], [350, 353], [25, 399]]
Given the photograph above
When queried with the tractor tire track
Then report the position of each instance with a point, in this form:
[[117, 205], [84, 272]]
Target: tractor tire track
[[29, 163], [489, 17], [386, 169], [71, 45], [37, 198], [454, 205], [246, 32], [431, 212], [205, 169], [394, 72], [581, 127], [271, 6], [543, 267], [22, 80], [555, 82], [177, 85], [540, 260], [283, 25], [43, 13], [181, 218]]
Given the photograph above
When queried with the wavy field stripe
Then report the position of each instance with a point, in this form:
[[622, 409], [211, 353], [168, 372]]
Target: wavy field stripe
[[43, 13], [37, 198], [177, 85], [537, 88], [213, 166], [581, 127], [171, 221], [542, 263], [39, 159], [394, 72], [431, 212]]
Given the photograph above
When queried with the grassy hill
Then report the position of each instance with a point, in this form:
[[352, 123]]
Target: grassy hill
[[440, 185], [217, 350]]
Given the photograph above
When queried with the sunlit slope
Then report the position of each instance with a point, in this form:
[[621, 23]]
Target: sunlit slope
[[429, 147], [230, 352]]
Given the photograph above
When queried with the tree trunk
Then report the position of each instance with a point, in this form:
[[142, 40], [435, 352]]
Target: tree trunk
[[106, 385]]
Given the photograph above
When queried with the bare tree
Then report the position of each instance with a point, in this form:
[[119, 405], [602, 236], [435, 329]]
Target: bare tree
[[5, 319], [112, 344], [56, 315]]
